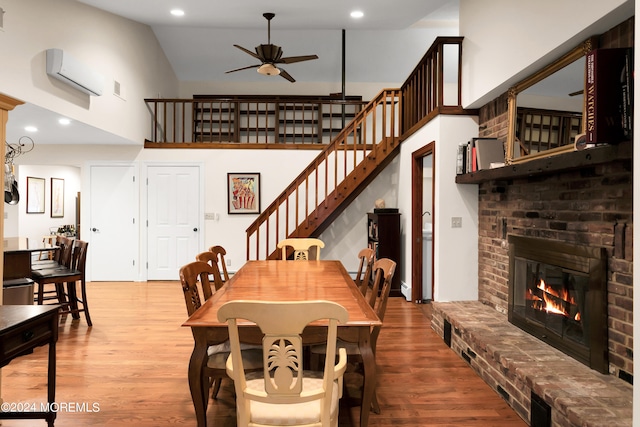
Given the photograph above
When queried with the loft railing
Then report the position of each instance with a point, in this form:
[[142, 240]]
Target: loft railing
[[434, 85], [211, 121], [330, 179]]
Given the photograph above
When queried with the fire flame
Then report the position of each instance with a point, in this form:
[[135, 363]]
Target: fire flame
[[549, 304]]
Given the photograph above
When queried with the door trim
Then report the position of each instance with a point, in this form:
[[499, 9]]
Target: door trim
[[416, 218]]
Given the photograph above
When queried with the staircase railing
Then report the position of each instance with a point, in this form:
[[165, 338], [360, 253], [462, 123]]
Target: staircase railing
[[434, 86], [331, 178]]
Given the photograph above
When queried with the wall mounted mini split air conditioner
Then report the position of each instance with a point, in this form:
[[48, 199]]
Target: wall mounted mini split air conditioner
[[64, 67]]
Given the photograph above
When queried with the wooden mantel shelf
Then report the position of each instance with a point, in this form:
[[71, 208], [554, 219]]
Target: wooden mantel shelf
[[552, 164]]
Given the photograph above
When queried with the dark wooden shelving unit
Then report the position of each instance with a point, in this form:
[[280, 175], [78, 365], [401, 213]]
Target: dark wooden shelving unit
[[383, 236], [552, 164]]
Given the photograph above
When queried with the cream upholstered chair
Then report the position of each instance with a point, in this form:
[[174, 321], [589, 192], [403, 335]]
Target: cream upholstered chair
[[302, 247], [363, 276], [196, 286], [377, 295], [285, 394]]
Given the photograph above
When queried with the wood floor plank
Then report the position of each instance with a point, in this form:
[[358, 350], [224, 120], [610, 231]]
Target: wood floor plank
[[133, 365]]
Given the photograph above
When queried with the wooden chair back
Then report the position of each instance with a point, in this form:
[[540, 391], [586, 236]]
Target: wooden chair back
[[194, 278], [63, 255], [283, 382], [383, 270], [211, 259], [363, 276], [79, 256], [303, 248], [220, 252]]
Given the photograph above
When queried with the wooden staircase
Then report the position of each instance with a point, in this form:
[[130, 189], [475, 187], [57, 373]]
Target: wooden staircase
[[344, 167], [333, 179]]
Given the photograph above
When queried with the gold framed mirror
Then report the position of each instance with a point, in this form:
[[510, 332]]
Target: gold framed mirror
[[536, 129]]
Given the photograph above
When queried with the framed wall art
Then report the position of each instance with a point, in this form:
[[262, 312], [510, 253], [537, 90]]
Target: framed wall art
[[57, 197], [243, 193], [35, 195]]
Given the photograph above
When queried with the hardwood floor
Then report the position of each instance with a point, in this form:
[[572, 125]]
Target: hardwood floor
[[133, 365]]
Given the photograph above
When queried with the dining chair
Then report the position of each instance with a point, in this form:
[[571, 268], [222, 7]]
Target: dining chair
[[211, 259], [303, 248], [286, 394], [220, 252], [194, 278], [363, 276], [377, 295], [65, 277]]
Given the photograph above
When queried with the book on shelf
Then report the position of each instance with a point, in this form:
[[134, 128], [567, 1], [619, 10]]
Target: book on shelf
[[478, 154], [608, 95], [489, 150]]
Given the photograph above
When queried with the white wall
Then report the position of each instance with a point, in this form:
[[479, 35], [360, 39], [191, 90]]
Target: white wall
[[20, 223], [455, 250], [118, 48], [229, 230], [505, 40], [348, 234]]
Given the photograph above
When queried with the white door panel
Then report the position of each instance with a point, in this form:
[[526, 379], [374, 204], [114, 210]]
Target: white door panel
[[113, 225], [173, 219]]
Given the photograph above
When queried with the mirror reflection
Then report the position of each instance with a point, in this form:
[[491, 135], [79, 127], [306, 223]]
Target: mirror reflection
[[546, 109], [550, 111]]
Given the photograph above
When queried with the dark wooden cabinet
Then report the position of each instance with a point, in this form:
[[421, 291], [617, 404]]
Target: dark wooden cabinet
[[383, 236]]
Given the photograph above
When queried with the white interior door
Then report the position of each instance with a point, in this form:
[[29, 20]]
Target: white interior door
[[174, 208], [113, 224]]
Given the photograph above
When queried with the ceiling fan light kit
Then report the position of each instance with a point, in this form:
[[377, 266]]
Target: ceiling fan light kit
[[268, 70], [270, 55]]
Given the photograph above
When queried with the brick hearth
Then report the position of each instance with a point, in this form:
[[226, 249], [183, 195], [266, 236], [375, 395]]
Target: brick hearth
[[515, 363]]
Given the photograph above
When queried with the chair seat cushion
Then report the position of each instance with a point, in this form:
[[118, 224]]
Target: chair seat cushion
[[251, 359], [291, 414], [351, 347], [54, 272], [225, 347]]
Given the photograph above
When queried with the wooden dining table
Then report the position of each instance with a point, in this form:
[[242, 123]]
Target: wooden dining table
[[284, 281]]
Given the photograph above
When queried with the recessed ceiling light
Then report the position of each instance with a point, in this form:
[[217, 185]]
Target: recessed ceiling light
[[64, 121], [357, 14], [177, 12], [31, 129]]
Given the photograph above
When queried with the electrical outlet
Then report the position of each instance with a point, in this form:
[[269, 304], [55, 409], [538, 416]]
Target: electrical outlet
[[456, 222], [228, 262], [209, 216]]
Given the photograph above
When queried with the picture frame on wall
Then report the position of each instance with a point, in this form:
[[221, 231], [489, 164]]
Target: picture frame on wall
[[243, 193], [57, 197], [35, 195]]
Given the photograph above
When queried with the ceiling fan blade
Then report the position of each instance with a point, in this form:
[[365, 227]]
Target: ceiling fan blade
[[243, 68], [248, 51], [286, 75], [292, 59]]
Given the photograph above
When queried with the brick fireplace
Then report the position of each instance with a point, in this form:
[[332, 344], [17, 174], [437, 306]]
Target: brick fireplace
[[558, 293], [589, 205], [580, 199]]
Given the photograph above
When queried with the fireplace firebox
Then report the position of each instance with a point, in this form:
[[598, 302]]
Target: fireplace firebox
[[558, 293]]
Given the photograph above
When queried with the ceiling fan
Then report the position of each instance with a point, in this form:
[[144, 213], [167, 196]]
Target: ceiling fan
[[270, 55]]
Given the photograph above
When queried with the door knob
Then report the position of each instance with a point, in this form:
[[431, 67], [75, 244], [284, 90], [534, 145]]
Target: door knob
[[195, 229], [94, 229]]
